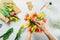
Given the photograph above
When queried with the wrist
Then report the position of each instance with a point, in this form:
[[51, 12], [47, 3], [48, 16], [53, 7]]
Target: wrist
[[44, 30]]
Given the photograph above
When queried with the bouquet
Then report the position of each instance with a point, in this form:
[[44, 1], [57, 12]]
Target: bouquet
[[30, 21], [8, 10]]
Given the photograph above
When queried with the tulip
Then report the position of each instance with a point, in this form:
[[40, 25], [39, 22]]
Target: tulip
[[38, 15], [25, 18], [37, 30], [10, 9], [35, 14], [16, 19], [33, 19], [27, 15], [11, 5], [30, 15], [44, 20], [42, 15], [28, 18], [27, 23], [29, 28], [33, 28], [40, 30], [12, 13], [11, 18], [21, 25]]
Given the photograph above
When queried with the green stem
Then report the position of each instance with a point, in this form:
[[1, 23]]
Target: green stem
[[18, 34]]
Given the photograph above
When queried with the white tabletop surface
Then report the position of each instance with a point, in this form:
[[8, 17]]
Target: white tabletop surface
[[52, 15]]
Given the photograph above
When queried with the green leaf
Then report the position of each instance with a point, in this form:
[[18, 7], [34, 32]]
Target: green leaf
[[7, 34], [1, 11], [18, 34], [4, 11], [21, 30], [31, 23], [38, 18]]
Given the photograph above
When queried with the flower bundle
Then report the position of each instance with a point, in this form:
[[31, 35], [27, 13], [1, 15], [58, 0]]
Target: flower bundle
[[8, 11], [30, 21]]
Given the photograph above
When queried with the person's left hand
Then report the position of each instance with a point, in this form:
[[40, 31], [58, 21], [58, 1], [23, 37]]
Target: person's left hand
[[40, 24]]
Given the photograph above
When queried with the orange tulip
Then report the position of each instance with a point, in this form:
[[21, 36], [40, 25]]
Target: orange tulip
[[29, 28], [44, 20], [35, 14]]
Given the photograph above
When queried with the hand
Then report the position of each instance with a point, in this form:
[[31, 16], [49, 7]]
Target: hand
[[41, 25], [29, 29], [29, 34]]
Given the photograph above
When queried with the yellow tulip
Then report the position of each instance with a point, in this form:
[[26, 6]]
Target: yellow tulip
[[27, 23], [31, 14], [11, 5], [21, 25], [28, 18], [38, 15], [10, 9], [33, 28], [16, 19], [11, 18], [42, 15]]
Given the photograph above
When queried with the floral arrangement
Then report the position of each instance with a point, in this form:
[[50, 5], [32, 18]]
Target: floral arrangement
[[7, 10], [30, 18]]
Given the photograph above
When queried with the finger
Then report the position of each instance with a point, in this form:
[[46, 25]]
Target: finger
[[37, 24]]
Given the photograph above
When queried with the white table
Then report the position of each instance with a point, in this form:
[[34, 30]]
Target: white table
[[37, 4]]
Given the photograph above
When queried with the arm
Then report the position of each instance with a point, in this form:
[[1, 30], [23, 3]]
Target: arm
[[48, 34], [28, 37], [41, 26]]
